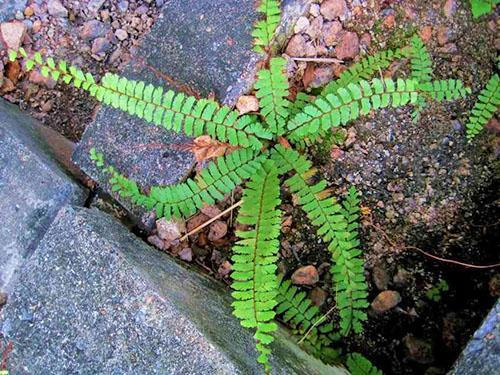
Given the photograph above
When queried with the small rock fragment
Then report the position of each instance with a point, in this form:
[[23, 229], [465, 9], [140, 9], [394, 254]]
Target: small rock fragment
[[169, 230], [321, 75], [443, 35], [225, 268], [307, 275], [36, 78], [315, 28], [186, 254], [56, 9], [318, 296], [314, 10], [348, 47], [301, 25], [247, 103], [12, 34], [299, 47], [380, 277], [93, 29], [100, 46], [218, 229], [332, 9], [418, 350], [331, 32], [156, 242], [121, 34], [449, 8], [3, 299], [386, 300], [211, 211], [426, 33]]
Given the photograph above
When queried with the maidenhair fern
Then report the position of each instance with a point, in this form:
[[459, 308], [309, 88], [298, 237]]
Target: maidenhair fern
[[421, 70], [482, 7], [258, 160], [485, 108], [272, 90], [255, 255], [359, 365], [264, 29]]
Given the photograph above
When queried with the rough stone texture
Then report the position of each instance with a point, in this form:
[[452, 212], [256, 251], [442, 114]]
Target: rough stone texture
[[481, 356], [95, 299], [207, 50], [33, 188], [8, 8]]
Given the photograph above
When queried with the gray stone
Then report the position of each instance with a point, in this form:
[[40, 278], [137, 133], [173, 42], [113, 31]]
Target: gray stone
[[481, 356], [33, 187], [94, 299], [198, 47], [8, 8]]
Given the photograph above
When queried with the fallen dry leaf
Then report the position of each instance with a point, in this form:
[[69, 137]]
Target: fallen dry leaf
[[205, 148], [218, 229]]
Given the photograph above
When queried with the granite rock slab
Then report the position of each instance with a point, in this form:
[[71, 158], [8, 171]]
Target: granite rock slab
[[33, 187], [96, 299], [8, 8], [481, 356], [199, 47]]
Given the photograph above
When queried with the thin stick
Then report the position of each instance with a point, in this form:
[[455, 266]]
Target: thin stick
[[320, 320], [318, 59], [198, 228]]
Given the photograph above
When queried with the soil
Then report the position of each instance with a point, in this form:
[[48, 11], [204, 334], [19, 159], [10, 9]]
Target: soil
[[423, 187]]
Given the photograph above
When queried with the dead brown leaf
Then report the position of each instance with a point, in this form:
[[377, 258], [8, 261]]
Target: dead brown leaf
[[205, 148]]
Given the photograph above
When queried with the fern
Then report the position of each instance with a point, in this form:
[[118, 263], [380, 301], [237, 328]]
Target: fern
[[421, 70], [365, 69], [482, 7], [485, 107], [254, 260], [336, 229], [359, 365], [176, 112], [306, 320], [272, 89], [182, 200], [264, 29]]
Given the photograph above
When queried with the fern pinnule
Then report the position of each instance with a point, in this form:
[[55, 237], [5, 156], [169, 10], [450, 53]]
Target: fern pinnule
[[254, 258], [485, 108], [359, 365], [272, 90], [264, 29]]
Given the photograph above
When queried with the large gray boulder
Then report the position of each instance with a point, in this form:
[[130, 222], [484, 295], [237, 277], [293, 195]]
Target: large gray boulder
[[94, 299], [33, 187], [481, 356]]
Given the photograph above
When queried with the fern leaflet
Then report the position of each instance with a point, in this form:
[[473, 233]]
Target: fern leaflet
[[254, 260], [421, 70], [485, 108], [264, 29], [336, 230], [359, 365], [272, 90]]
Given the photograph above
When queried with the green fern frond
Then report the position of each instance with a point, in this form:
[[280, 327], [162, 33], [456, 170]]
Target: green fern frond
[[306, 321], [300, 102], [485, 108], [359, 365], [350, 103], [421, 70], [254, 261], [272, 90], [365, 69], [482, 7], [182, 200], [336, 230], [176, 112], [264, 29]]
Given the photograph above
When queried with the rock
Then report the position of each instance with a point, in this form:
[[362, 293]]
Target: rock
[[348, 47], [481, 355], [93, 29], [301, 25], [380, 277], [315, 28], [33, 188], [218, 229], [246, 104], [449, 8], [37, 78], [385, 301], [123, 6], [186, 254], [3, 299], [12, 34], [156, 241], [56, 9], [211, 211], [333, 9], [494, 285], [100, 46], [318, 296], [307, 275], [28, 11], [298, 46], [121, 34], [10, 7], [314, 10], [332, 32], [90, 278], [169, 230], [443, 35], [196, 221], [426, 33], [94, 5], [321, 76], [418, 350]]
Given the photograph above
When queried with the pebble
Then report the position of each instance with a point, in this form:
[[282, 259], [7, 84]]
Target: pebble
[[12, 34], [449, 8], [307, 275], [56, 9], [418, 350], [156, 241], [318, 296], [3, 299], [121, 34], [169, 230], [301, 25], [36, 78], [348, 47], [314, 10], [315, 28], [100, 46], [380, 277], [331, 32], [218, 229], [93, 29], [322, 75], [386, 300], [299, 47], [333, 9], [246, 104], [123, 6], [186, 254]]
